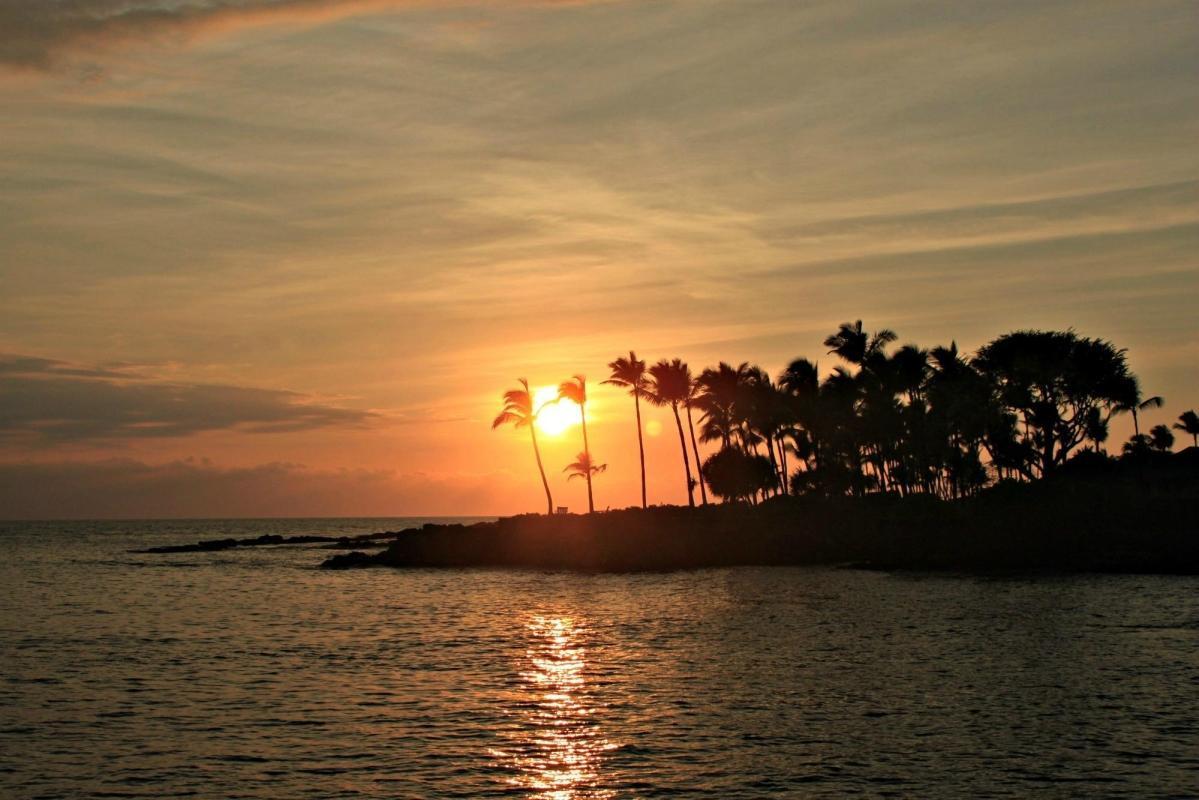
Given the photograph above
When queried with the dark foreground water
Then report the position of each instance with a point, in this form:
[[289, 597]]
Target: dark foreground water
[[251, 674]]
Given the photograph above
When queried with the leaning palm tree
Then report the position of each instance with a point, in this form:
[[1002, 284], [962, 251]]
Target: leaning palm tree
[[1188, 422], [575, 390], [583, 467], [519, 412], [670, 384], [630, 374]]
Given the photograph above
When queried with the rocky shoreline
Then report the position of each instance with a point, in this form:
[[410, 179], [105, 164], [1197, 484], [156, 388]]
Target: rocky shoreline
[[381, 539], [1139, 522]]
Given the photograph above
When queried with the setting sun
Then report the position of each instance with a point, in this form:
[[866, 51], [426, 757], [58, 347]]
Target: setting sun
[[554, 417]]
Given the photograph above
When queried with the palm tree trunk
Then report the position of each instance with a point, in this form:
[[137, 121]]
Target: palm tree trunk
[[686, 461], [549, 501], [587, 450], [1136, 425], [774, 464], [703, 493], [786, 471], [640, 446]]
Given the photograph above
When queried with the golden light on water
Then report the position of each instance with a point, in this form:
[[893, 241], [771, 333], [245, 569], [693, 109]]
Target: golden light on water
[[557, 750], [554, 417]]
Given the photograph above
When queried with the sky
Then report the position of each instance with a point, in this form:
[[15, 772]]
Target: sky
[[282, 257]]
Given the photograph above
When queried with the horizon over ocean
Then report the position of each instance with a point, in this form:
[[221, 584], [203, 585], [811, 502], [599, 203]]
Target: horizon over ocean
[[423, 517], [249, 673]]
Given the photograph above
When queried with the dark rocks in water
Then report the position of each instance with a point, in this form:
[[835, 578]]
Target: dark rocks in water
[[381, 539], [349, 560], [211, 545], [1131, 522]]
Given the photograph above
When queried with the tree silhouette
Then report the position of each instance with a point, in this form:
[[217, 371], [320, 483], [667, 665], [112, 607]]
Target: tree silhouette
[[1096, 427], [670, 384], [736, 475], [1131, 402], [1188, 423], [583, 468], [1161, 438], [854, 345], [904, 420], [630, 373], [693, 394], [719, 391], [519, 412], [575, 390], [1051, 380]]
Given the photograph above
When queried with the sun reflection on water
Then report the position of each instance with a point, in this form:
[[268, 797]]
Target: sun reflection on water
[[557, 748]]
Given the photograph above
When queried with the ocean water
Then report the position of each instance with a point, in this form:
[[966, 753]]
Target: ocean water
[[250, 674]]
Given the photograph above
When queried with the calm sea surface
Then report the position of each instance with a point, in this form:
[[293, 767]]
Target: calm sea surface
[[251, 674]]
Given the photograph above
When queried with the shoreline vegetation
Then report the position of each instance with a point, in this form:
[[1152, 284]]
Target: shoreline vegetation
[[904, 458], [904, 421], [1133, 515], [1126, 517]]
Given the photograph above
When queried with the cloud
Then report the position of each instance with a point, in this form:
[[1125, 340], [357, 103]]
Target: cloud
[[197, 488], [47, 402], [35, 33]]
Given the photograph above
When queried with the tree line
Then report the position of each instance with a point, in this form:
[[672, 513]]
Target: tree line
[[903, 420]]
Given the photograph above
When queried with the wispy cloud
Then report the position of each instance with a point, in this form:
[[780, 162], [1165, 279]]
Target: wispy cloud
[[34, 33], [45, 402]]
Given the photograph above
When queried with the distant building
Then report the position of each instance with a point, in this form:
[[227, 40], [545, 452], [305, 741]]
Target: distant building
[[562, 510]]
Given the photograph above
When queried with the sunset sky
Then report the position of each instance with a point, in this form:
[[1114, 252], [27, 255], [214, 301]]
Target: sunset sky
[[282, 258]]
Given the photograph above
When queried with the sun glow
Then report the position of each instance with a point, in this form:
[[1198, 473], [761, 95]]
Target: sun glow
[[554, 417]]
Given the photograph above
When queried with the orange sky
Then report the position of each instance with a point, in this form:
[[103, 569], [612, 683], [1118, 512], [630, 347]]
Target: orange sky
[[284, 261]]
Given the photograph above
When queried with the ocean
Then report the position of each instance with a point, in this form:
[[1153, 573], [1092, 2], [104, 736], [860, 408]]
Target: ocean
[[251, 674]]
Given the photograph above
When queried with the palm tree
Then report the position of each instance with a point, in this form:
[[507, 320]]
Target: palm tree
[[1161, 438], [1188, 422], [801, 382], [575, 390], [853, 344], [1096, 427], [670, 384], [1131, 402], [584, 468], [519, 412], [630, 374], [693, 395], [720, 389]]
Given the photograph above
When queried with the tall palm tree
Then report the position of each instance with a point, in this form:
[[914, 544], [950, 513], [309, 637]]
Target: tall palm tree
[[720, 389], [583, 467], [670, 384], [692, 395], [853, 344], [1132, 402], [801, 381], [575, 390], [519, 412], [630, 374], [1188, 422]]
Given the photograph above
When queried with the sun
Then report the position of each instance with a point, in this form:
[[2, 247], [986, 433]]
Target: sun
[[554, 418]]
